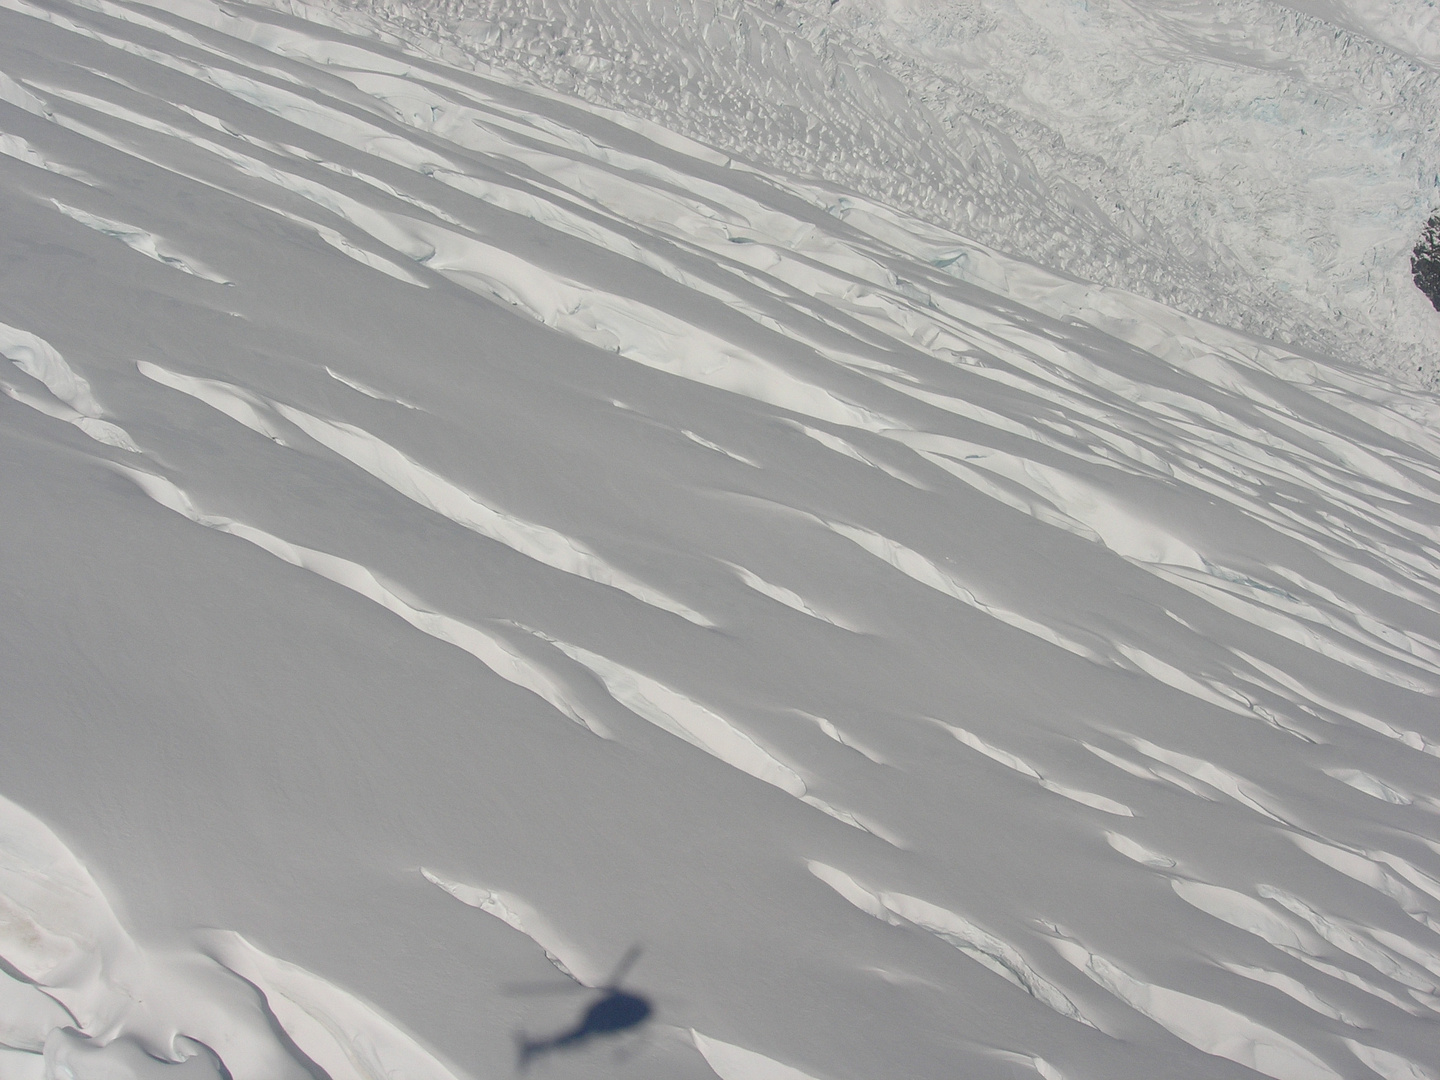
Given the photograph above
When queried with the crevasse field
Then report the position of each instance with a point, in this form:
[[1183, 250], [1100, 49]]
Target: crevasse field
[[862, 519]]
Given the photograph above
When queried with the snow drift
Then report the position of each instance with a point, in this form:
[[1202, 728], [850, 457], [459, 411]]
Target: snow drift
[[455, 531]]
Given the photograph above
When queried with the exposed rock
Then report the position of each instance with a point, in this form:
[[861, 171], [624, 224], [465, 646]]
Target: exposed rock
[[1425, 260]]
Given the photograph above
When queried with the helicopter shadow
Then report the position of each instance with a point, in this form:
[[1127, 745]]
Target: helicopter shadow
[[617, 1011]]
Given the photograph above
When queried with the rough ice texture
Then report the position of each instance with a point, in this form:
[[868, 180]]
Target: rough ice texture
[[1261, 164]]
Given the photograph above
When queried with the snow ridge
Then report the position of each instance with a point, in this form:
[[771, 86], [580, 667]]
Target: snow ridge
[[610, 506]]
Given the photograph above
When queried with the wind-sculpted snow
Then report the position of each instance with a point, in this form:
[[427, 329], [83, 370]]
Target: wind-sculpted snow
[[1000, 957], [518, 915], [489, 649], [1203, 1024], [415, 482], [1024, 768], [519, 503], [1266, 165], [140, 240], [74, 981], [687, 719], [341, 1035], [68, 398], [732, 1062]]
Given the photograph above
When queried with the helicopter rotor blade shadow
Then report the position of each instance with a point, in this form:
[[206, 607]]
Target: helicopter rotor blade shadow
[[623, 968]]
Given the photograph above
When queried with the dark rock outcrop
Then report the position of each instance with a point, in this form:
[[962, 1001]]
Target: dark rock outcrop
[[1425, 260]]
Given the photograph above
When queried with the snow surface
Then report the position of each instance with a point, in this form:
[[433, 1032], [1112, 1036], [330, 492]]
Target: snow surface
[[1264, 165], [454, 531]]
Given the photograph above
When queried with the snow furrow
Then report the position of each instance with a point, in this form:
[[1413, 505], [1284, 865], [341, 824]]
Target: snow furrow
[[418, 484], [954, 929], [1205, 1025], [489, 649], [481, 302]]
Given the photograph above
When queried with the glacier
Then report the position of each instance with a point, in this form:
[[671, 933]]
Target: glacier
[[1264, 165], [487, 490]]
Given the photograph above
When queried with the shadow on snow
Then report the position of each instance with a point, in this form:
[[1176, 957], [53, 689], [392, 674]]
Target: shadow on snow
[[617, 1011]]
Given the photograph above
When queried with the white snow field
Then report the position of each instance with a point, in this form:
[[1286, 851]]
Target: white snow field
[[1261, 164], [453, 532]]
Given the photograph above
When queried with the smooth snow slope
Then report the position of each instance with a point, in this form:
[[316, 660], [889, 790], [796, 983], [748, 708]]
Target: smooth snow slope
[[453, 532], [1261, 164]]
